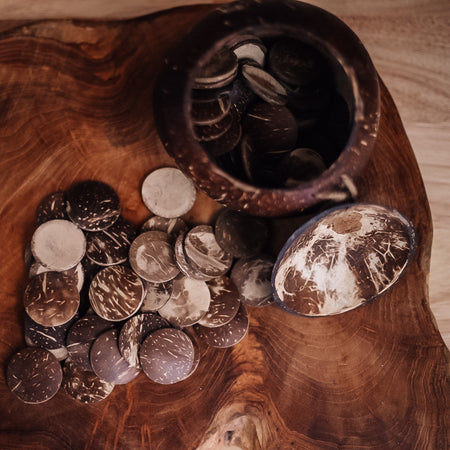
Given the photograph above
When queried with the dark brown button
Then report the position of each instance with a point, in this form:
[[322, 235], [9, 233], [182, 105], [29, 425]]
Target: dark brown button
[[248, 48], [58, 244], [107, 362], [206, 133], [226, 335], [81, 336], [93, 205], [188, 303], [252, 277], [51, 298], [209, 112], [341, 259], [133, 333], [51, 207], [224, 302], [76, 272], [84, 385], [156, 295], [239, 234], [167, 356], [153, 260], [116, 293], [111, 246], [34, 375], [173, 227]]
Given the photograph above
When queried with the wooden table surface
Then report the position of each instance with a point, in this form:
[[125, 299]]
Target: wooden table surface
[[375, 376]]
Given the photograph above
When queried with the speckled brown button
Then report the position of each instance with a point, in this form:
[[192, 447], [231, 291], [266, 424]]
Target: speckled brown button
[[212, 111], [153, 259], [264, 85], [204, 253], [116, 293], [81, 336], [206, 133], [84, 385], [51, 298], [342, 258], [173, 227], [93, 205], [76, 272], [252, 277], [107, 362], [58, 244], [188, 303], [167, 192], [224, 302], [111, 246], [52, 206], [239, 234], [226, 335], [133, 333], [167, 356], [156, 295], [34, 375], [249, 49]]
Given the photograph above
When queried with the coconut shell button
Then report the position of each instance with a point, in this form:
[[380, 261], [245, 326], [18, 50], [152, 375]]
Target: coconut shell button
[[218, 71], [264, 85], [224, 302], [206, 133], [111, 246], [167, 356], [209, 112], [239, 234], [226, 335], [173, 227], [34, 375], [93, 205], [182, 262], [204, 253], [295, 62], [107, 362], [116, 293], [58, 244], [76, 272], [134, 331], [51, 298], [272, 128], [188, 303], [153, 259], [167, 192], [252, 277], [53, 206], [156, 295], [341, 259], [81, 336], [50, 338], [84, 385], [249, 49]]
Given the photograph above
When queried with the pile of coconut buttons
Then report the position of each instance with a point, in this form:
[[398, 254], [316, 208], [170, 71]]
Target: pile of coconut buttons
[[106, 301], [268, 111]]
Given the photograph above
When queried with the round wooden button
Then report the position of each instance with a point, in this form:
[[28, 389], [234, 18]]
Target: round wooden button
[[252, 277], [58, 244], [52, 206], [76, 272], [167, 192], [228, 334], [156, 295], [239, 234], [116, 293], [111, 246], [81, 336], [84, 385], [342, 259], [203, 252], [51, 298], [167, 355], [107, 362], [173, 227], [209, 112], [34, 375], [224, 302], [188, 303], [134, 331], [153, 259], [93, 205]]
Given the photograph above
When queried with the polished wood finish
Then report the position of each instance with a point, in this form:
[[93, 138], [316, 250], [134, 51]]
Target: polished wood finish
[[75, 103]]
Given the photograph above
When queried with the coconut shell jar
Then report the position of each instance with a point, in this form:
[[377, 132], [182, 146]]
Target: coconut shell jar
[[294, 67]]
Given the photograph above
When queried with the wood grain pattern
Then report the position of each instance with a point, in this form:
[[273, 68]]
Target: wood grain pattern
[[75, 103]]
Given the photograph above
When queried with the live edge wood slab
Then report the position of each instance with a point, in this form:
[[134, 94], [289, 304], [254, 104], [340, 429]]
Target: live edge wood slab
[[76, 103]]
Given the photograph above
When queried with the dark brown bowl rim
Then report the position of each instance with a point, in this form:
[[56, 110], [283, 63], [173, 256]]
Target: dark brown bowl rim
[[173, 90]]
